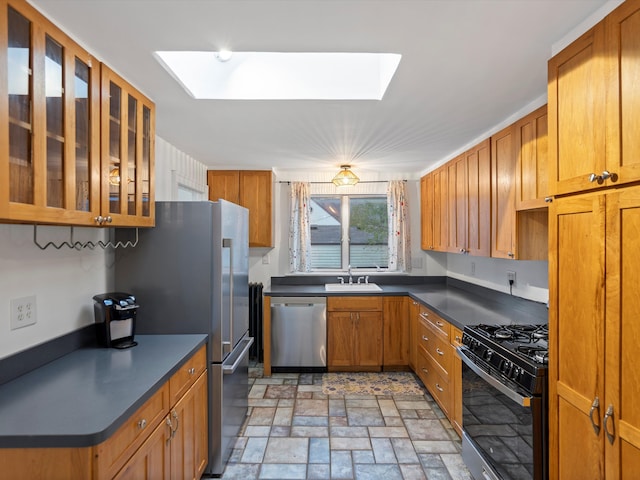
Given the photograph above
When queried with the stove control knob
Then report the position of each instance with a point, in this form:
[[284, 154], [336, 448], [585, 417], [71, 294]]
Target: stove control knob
[[516, 373], [506, 365], [488, 354]]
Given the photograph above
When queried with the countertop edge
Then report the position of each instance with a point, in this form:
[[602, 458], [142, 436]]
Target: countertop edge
[[91, 439]]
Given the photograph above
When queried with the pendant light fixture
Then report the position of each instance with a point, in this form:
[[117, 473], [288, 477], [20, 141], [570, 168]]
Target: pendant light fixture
[[345, 177]]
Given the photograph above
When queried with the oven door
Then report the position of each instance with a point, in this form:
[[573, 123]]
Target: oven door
[[503, 434]]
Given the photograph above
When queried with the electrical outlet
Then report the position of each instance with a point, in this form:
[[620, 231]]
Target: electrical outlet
[[511, 277], [266, 259], [23, 312]]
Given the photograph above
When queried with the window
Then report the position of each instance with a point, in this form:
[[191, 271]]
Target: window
[[349, 230]]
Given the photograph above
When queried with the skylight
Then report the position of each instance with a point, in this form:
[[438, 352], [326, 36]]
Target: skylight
[[282, 76]]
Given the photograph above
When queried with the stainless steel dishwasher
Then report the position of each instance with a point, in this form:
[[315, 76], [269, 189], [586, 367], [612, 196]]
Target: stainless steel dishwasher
[[299, 333]]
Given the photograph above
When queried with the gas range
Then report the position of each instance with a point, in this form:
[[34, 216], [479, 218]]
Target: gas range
[[515, 354]]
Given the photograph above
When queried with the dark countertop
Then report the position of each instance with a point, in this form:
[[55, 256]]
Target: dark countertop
[[81, 399], [458, 302]]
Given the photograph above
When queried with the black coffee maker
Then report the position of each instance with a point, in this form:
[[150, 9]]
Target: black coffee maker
[[115, 315]]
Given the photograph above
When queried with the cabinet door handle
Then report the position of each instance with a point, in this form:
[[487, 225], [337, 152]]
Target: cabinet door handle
[[611, 435], [170, 425], [440, 389], [424, 337], [440, 352], [458, 339], [605, 175], [425, 371], [548, 199], [174, 415], [192, 371], [595, 406], [142, 424], [462, 250], [593, 177], [440, 324], [511, 254], [424, 315]]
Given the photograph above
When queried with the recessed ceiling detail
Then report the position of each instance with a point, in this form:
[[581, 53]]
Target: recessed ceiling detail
[[282, 75]]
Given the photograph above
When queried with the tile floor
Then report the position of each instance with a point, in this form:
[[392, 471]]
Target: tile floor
[[294, 431]]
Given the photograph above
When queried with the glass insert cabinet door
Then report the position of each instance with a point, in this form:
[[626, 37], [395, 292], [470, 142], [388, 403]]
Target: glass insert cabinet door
[[50, 99], [128, 133]]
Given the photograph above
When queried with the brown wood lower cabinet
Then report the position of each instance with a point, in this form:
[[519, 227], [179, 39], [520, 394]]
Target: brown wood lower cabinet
[[161, 440], [437, 363], [354, 333], [396, 332]]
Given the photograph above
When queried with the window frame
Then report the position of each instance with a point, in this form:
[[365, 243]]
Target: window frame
[[345, 240]]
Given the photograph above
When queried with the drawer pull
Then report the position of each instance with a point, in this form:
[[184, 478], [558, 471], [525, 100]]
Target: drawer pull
[[425, 370], [458, 338], [424, 337], [424, 315], [142, 424], [192, 371], [440, 389], [440, 352], [440, 324]]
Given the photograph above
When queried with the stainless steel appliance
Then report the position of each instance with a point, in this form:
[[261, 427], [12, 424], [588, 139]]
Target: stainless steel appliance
[[115, 316], [298, 333], [504, 399], [190, 274]]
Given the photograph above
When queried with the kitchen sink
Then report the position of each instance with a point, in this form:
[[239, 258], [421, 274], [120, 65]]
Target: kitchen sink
[[352, 287]]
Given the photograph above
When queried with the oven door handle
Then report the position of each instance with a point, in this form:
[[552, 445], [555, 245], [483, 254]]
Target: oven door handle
[[515, 396]]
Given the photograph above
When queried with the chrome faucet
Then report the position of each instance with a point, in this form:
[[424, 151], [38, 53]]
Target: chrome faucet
[[360, 279], [350, 276]]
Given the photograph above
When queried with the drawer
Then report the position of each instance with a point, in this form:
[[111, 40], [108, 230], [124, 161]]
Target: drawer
[[424, 367], [434, 319], [437, 346], [112, 454], [188, 373], [456, 336], [354, 304], [439, 388]]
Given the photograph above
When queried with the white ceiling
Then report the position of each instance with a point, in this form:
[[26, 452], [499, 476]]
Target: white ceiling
[[467, 65]]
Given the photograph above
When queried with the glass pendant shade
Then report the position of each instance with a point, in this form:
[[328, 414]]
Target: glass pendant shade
[[345, 177]]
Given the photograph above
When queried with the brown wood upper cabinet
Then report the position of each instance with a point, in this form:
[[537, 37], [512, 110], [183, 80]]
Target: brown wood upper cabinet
[[251, 189], [128, 143], [426, 211], [478, 199], [532, 177], [50, 101], [53, 168], [514, 235], [594, 106], [456, 204]]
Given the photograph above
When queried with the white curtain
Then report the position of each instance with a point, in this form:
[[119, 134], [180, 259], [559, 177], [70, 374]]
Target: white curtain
[[300, 228], [399, 231]]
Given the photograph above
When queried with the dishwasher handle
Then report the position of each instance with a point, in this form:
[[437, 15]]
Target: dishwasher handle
[[296, 305]]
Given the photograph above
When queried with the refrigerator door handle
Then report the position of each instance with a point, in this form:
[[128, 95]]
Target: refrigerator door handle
[[228, 243], [229, 369]]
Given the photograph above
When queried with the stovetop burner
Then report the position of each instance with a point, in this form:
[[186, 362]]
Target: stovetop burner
[[517, 352]]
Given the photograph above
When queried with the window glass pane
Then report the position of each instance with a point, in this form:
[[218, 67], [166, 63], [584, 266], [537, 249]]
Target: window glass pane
[[326, 232], [368, 232]]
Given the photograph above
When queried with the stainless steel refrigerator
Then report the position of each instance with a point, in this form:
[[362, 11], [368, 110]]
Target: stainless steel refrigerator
[[190, 274]]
